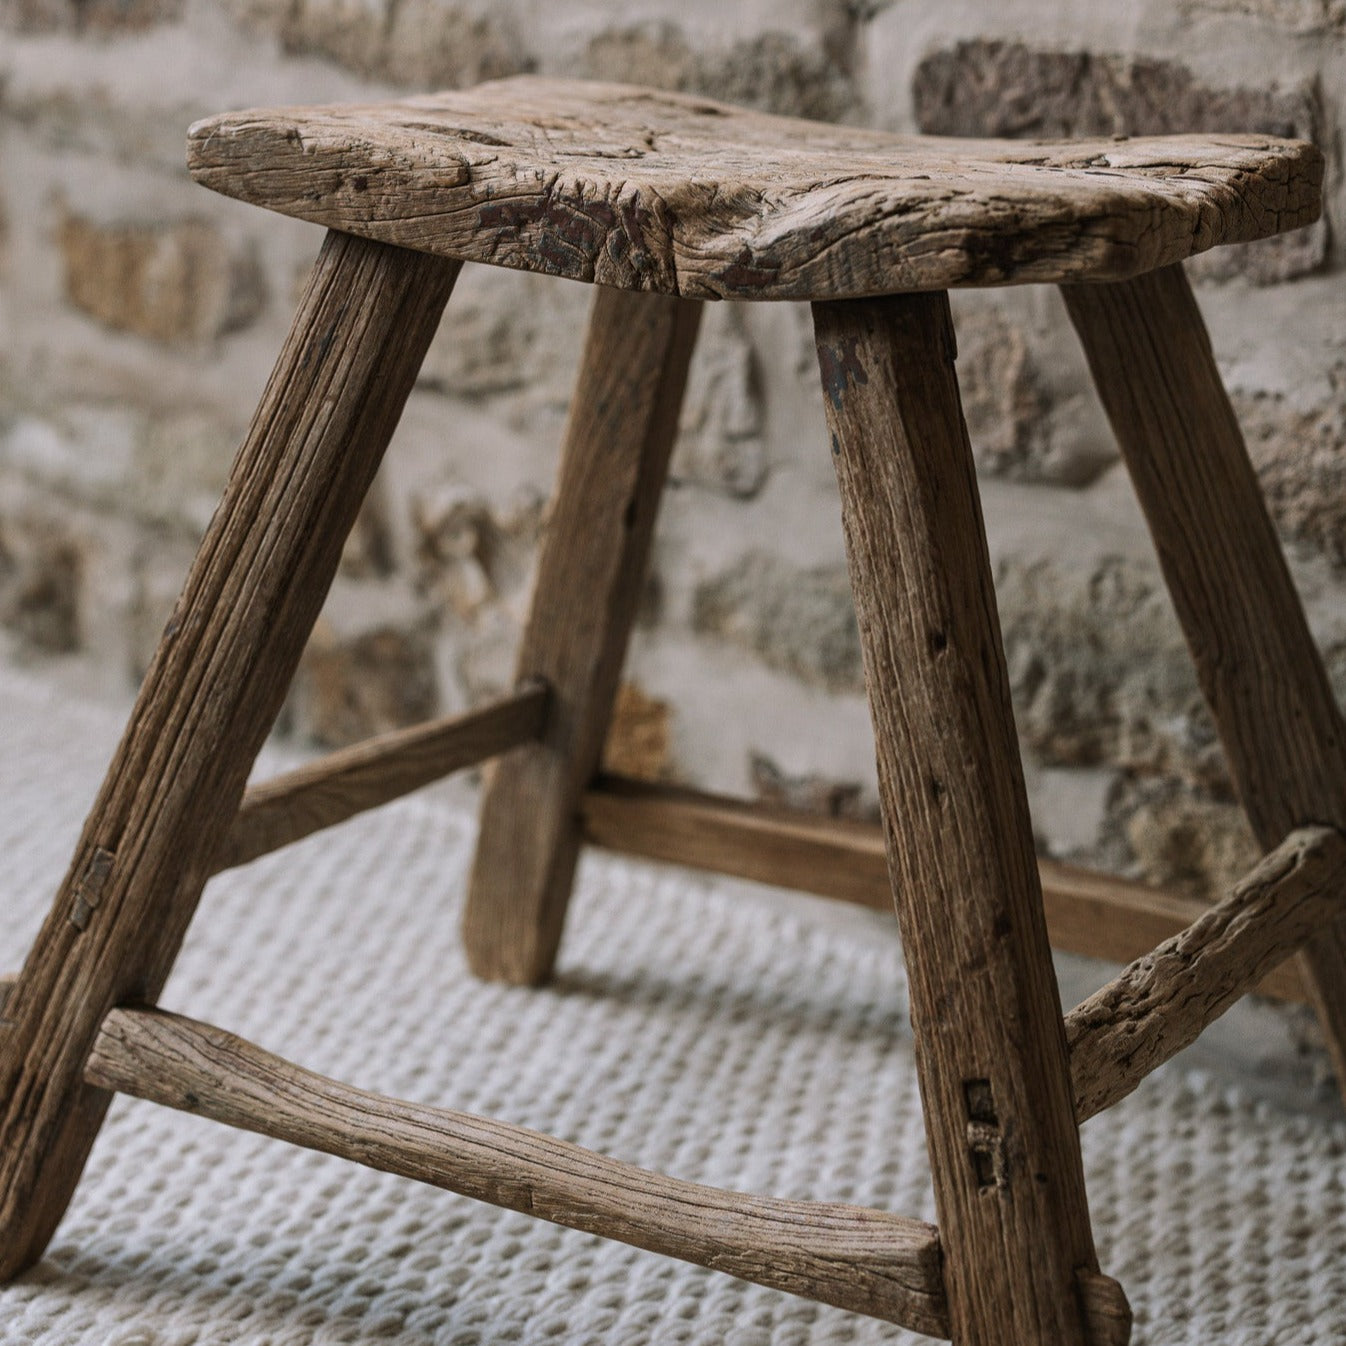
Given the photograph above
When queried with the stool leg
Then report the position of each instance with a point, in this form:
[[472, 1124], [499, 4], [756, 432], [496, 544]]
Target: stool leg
[[1258, 665], [206, 705], [990, 1045], [590, 574]]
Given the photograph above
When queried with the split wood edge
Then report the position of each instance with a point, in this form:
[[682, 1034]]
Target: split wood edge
[[323, 793], [1162, 1002], [1087, 912], [868, 1261]]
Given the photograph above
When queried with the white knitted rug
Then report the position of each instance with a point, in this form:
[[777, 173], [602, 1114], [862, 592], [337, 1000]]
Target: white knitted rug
[[694, 1029]]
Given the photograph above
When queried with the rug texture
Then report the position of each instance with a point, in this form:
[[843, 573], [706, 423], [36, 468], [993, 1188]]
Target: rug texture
[[695, 1028]]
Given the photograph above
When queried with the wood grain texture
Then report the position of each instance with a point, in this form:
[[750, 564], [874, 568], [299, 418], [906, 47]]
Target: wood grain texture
[[883, 1265], [989, 1042], [207, 703], [1256, 659], [1162, 1002], [591, 573], [1105, 1309], [321, 794], [1090, 913], [647, 190]]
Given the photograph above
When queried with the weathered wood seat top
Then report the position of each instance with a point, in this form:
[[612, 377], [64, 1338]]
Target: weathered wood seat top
[[659, 191]]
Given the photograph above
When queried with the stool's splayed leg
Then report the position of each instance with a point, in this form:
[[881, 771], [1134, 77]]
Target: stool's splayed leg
[[208, 702], [1256, 659], [590, 577], [990, 1045]]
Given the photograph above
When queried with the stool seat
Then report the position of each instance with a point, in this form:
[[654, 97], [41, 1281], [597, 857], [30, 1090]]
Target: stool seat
[[665, 200], [647, 190]]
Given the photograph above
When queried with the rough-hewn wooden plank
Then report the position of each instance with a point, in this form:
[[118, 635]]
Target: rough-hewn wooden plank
[[661, 191], [884, 1265], [209, 698], [336, 787], [1259, 668], [1161, 1003], [1090, 913], [591, 572], [989, 1041]]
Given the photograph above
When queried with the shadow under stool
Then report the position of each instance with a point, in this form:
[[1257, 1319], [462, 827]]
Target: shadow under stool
[[663, 201]]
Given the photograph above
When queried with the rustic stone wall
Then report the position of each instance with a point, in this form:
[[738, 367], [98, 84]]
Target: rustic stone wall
[[140, 315]]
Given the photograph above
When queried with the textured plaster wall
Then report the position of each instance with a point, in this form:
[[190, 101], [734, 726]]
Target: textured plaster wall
[[139, 316]]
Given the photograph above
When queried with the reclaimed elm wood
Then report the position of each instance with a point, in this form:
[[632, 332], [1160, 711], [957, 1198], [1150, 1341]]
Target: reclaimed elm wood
[[208, 700], [1256, 659], [868, 1261], [334, 788], [988, 1035], [647, 190], [1088, 912], [1162, 1002], [591, 573]]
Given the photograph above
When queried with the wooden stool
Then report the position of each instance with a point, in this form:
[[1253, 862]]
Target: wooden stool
[[666, 200]]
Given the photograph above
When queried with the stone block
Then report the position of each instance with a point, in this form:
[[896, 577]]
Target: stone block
[[351, 687], [720, 442], [1187, 843], [639, 741], [41, 579], [157, 573], [1267, 261], [799, 621], [422, 44], [1003, 400], [168, 282], [87, 16], [466, 554], [993, 88], [369, 550], [1298, 16], [810, 792], [178, 472], [1300, 455], [507, 332], [772, 70], [1099, 671]]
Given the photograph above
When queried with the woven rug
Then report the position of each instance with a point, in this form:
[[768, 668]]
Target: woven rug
[[695, 1028]]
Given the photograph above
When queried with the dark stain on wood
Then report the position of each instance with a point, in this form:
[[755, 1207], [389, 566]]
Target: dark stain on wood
[[840, 366]]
